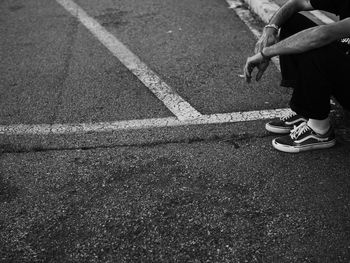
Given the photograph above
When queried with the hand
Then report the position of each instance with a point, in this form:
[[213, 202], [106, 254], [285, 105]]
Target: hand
[[256, 61], [268, 38]]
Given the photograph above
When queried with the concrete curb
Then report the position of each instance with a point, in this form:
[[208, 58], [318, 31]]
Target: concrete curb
[[266, 8], [263, 8]]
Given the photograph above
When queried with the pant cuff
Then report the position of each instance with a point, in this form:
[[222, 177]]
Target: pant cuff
[[308, 114], [288, 83]]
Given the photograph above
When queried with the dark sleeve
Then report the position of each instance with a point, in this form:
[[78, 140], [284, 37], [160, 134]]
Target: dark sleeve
[[326, 5]]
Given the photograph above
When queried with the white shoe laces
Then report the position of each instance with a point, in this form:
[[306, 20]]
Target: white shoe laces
[[299, 130], [287, 116]]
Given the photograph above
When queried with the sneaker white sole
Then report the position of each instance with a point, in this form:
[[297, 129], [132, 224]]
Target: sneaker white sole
[[308, 147], [277, 130]]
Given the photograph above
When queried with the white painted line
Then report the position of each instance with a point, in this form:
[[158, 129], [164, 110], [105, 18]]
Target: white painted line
[[185, 114], [177, 105], [57, 129], [246, 16], [322, 17]]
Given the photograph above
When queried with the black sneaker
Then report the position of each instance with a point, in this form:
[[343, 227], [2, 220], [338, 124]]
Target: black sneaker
[[303, 138], [285, 124]]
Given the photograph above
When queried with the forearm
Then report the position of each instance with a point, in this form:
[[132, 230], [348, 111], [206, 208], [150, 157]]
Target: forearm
[[285, 12], [290, 8], [301, 42]]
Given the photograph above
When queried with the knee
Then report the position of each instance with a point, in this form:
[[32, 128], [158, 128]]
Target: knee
[[316, 56], [295, 24]]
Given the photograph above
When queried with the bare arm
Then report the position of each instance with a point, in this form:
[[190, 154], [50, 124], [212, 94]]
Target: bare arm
[[289, 9], [309, 39], [281, 16], [303, 41], [269, 36]]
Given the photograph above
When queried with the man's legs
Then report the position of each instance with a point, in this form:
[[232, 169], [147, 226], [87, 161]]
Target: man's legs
[[290, 75], [315, 76], [295, 24], [321, 73]]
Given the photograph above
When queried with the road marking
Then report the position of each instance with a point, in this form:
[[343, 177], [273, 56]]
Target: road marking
[[325, 19], [55, 129], [176, 104], [185, 114]]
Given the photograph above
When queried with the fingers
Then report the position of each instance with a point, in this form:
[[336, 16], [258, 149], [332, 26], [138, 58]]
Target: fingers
[[262, 42], [251, 63], [257, 47], [248, 68], [246, 74], [262, 68], [259, 74]]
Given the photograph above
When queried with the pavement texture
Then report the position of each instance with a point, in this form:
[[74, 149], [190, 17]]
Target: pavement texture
[[202, 193], [233, 200], [197, 47]]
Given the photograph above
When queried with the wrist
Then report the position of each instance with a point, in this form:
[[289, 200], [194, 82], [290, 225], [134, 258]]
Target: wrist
[[270, 32], [266, 53], [264, 57], [272, 27]]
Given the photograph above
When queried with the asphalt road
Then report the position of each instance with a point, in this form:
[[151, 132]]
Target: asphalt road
[[199, 193]]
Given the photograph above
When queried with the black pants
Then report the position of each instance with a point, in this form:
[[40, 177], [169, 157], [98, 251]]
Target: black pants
[[315, 75]]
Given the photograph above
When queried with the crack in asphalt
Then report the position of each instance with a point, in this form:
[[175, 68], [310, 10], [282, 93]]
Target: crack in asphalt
[[232, 140]]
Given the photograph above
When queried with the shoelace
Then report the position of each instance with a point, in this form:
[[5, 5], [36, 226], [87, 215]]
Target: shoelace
[[289, 115], [299, 130]]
